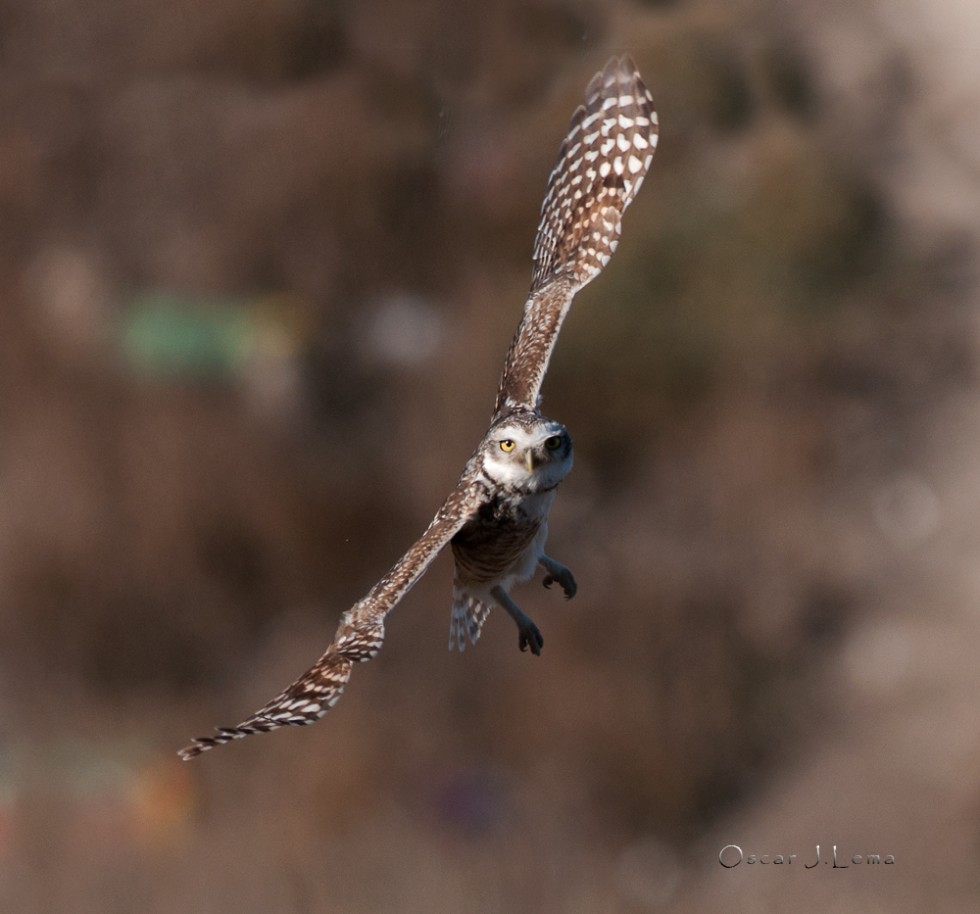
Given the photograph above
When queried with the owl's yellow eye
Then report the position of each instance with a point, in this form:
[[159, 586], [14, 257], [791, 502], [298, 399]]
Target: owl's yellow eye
[[507, 445], [553, 443]]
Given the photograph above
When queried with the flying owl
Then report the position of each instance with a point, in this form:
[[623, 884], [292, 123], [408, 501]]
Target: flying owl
[[496, 518]]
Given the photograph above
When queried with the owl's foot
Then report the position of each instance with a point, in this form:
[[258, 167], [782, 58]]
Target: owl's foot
[[558, 572], [528, 635]]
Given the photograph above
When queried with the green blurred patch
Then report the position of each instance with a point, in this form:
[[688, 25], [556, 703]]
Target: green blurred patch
[[167, 335]]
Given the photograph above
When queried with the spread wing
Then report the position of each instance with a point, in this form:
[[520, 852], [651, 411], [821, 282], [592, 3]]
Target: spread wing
[[601, 165], [359, 635]]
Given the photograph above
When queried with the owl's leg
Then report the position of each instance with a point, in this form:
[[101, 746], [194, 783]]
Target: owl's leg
[[528, 634], [558, 572]]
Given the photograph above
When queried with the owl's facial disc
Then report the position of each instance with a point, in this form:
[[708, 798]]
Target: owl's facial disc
[[554, 447], [529, 455]]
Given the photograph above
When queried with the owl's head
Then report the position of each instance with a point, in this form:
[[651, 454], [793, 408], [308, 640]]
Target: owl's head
[[527, 452]]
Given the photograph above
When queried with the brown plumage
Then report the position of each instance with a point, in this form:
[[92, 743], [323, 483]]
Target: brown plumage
[[496, 517], [601, 164]]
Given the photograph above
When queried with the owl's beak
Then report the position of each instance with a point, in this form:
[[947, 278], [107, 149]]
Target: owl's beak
[[529, 462]]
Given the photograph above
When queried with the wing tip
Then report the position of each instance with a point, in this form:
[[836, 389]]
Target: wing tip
[[619, 76], [260, 723], [202, 744], [311, 696]]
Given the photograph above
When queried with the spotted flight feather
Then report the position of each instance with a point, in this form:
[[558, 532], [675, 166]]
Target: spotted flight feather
[[601, 165]]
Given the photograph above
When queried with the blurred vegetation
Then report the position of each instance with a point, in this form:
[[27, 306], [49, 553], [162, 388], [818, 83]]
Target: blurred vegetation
[[259, 267]]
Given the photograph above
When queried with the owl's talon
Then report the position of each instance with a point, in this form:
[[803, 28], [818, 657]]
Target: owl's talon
[[557, 572], [530, 637]]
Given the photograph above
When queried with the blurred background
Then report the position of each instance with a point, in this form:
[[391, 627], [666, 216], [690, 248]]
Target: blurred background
[[259, 266]]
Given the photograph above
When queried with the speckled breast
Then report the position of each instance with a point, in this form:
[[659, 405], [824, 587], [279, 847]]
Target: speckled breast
[[487, 547]]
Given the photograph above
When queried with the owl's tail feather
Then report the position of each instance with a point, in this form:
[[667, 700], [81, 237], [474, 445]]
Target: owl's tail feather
[[467, 619]]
